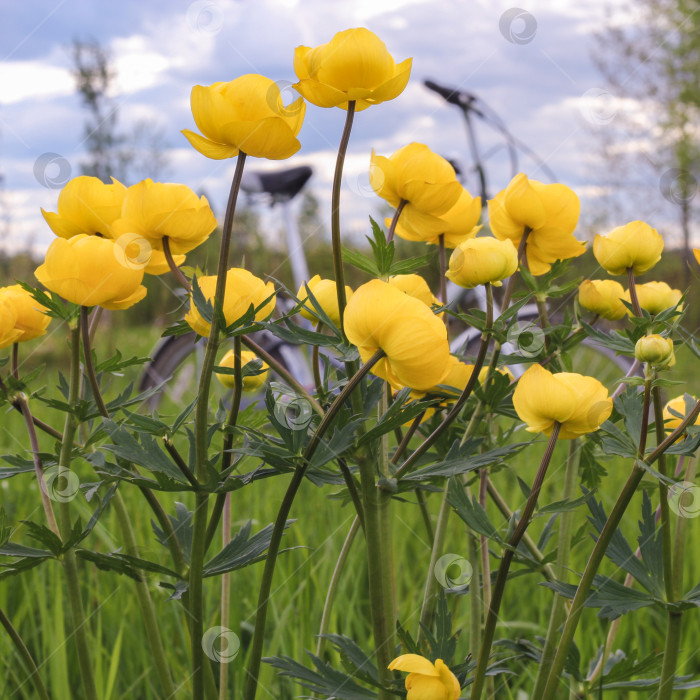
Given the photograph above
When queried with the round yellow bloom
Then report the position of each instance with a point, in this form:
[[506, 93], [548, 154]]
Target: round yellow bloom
[[90, 271], [243, 289], [250, 383], [31, 319], [425, 180], [353, 65], [501, 370], [246, 114], [656, 350], [86, 205], [326, 295], [155, 210], [415, 286], [696, 253], [655, 297], [427, 681], [678, 406], [9, 333], [550, 212], [482, 261], [636, 245], [458, 224], [541, 399], [414, 340], [603, 298]]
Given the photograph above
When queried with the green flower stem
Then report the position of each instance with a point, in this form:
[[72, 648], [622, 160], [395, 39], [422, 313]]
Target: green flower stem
[[179, 275], [425, 514], [70, 566], [255, 657], [150, 619], [606, 535], [671, 648], [681, 529], [333, 585], [474, 602], [558, 612], [443, 268], [335, 212], [201, 421], [25, 655], [510, 287], [633, 292], [15, 360], [352, 490], [506, 559], [484, 544], [225, 593], [395, 220], [316, 365], [466, 393]]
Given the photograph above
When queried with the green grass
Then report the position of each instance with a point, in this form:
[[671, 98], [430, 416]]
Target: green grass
[[36, 603]]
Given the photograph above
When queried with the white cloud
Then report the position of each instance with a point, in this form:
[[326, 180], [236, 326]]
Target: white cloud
[[28, 80]]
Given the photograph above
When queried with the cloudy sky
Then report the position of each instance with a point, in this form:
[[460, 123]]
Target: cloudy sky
[[532, 66]]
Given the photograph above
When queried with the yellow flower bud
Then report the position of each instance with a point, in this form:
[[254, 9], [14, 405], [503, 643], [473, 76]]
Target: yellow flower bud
[[9, 333], [243, 289], [656, 350], [425, 679], [425, 180], [655, 297], [482, 261], [353, 65], [671, 422], [31, 320], [326, 295], [86, 205], [603, 298], [541, 399], [414, 340], [91, 271], [250, 383], [550, 212], [415, 286], [636, 245], [246, 114]]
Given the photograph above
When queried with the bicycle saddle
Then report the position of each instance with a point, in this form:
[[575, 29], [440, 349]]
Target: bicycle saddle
[[280, 184]]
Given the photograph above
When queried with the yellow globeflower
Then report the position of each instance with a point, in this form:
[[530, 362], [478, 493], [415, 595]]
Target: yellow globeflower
[[243, 289], [656, 350], [86, 205], [90, 271], [678, 406], [353, 65], [501, 370], [155, 210], [250, 383], [31, 319], [541, 399], [425, 180], [636, 245], [414, 340], [550, 212], [415, 286], [459, 223], [427, 681], [9, 333], [246, 114], [325, 293], [696, 253], [482, 261], [603, 297], [655, 297]]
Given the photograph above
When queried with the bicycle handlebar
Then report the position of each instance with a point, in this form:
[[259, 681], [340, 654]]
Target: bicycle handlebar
[[462, 99]]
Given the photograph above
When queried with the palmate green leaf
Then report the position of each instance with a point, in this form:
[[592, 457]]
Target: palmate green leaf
[[56, 306], [297, 335], [402, 410], [201, 303], [241, 551], [410, 265], [361, 262], [564, 506], [354, 660], [182, 527], [617, 442], [116, 363], [624, 667], [621, 344], [471, 512], [43, 536], [124, 564], [340, 441], [20, 565]]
